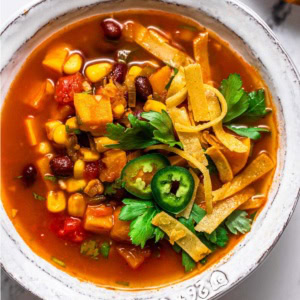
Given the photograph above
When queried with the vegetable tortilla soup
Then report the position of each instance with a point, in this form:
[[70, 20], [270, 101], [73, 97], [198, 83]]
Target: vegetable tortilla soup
[[137, 149]]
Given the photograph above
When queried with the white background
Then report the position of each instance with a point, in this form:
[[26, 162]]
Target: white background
[[279, 277]]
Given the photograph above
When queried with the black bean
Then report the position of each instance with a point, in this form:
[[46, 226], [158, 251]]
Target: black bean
[[29, 174], [143, 87], [111, 29], [118, 72], [62, 165]]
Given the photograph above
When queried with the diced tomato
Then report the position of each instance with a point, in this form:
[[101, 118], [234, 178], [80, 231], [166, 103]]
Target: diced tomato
[[133, 255], [92, 169], [68, 228], [66, 87]]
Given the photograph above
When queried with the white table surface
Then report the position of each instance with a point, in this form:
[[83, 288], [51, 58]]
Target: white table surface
[[279, 277]]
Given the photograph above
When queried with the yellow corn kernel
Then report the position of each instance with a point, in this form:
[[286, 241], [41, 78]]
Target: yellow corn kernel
[[56, 201], [102, 141], [89, 155], [60, 135], [50, 127], [44, 148], [96, 72], [94, 187], [73, 64], [135, 71], [75, 185], [79, 169], [76, 205], [72, 123], [154, 105], [118, 111], [31, 129]]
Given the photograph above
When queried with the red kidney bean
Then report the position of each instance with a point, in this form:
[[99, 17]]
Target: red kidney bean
[[29, 174], [62, 165], [92, 169], [111, 29], [143, 87], [118, 72]]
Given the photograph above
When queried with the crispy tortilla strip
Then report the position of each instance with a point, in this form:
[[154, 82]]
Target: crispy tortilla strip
[[261, 165], [157, 45], [224, 169], [177, 160], [222, 210], [200, 195], [211, 139], [190, 141], [227, 139], [254, 202], [197, 164], [187, 211], [177, 99], [237, 160], [196, 92], [213, 121], [189, 242], [178, 83], [201, 54]]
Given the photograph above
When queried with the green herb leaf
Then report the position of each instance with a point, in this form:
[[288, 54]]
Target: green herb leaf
[[250, 132], [238, 222], [125, 283], [158, 234], [203, 261], [176, 248], [164, 127], [237, 99], [58, 261], [134, 208], [252, 216], [104, 249], [197, 213], [38, 197], [111, 188], [50, 178], [188, 263], [171, 79], [211, 165], [211, 246], [19, 177], [257, 105], [188, 27], [218, 237], [70, 131], [90, 248]]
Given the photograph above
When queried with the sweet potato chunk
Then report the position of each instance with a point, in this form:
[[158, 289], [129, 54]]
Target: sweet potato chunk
[[160, 79], [120, 229], [93, 112]]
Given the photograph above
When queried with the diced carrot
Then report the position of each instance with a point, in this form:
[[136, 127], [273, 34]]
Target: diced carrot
[[121, 228], [43, 166], [32, 130], [133, 255], [160, 79]]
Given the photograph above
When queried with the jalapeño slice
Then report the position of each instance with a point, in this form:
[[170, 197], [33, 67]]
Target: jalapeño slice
[[138, 173], [172, 188]]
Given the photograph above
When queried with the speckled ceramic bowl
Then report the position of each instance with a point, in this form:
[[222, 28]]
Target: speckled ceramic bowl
[[251, 37]]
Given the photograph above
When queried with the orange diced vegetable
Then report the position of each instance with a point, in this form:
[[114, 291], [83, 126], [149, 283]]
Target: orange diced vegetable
[[160, 79], [133, 255], [114, 160], [32, 130], [120, 229], [43, 167]]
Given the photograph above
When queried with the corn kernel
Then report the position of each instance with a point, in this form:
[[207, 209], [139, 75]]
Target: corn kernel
[[76, 205], [89, 155], [118, 111], [60, 135], [72, 123], [56, 201], [96, 72], [44, 148], [102, 141], [79, 169], [73, 64], [75, 185], [135, 71], [94, 187], [154, 105], [50, 127]]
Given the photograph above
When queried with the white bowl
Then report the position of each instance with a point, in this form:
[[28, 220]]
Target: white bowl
[[251, 37]]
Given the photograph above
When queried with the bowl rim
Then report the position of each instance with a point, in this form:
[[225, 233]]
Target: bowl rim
[[35, 3]]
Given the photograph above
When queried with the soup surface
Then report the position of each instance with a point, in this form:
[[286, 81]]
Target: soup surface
[[117, 215]]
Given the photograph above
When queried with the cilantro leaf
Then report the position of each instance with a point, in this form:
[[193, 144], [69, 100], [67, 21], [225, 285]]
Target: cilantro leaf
[[90, 248], [104, 249], [50, 178], [211, 165], [139, 136], [188, 263], [176, 248], [70, 130], [111, 188], [250, 132], [218, 237], [188, 27], [163, 127], [211, 246], [134, 208], [237, 222], [171, 79], [257, 105], [38, 197], [158, 234], [197, 213], [237, 99]]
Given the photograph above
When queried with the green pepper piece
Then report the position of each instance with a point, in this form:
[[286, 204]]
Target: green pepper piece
[[172, 188], [138, 173]]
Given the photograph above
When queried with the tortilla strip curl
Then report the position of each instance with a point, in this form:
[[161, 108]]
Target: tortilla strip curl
[[254, 202], [187, 211], [213, 121], [156, 45], [190, 141], [222, 210], [197, 164], [261, 165], [196, 92], [222, 164], [189, 242], [177, 99], [178, 83]]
